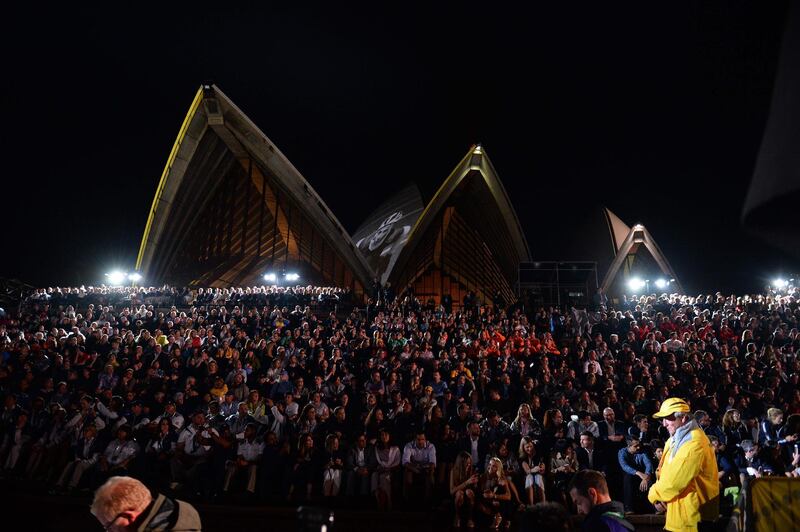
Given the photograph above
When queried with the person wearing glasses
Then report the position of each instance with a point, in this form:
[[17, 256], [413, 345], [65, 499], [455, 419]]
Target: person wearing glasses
[[124, 503], [688, 479]]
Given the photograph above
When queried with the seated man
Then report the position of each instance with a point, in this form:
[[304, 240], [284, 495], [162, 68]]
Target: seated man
[[192, 455], [86, 452], [641, 428], [119, 454], [419, 464], [475, 444], [248, 456], [583, 424], [589, 456], [638, 472], [359, 464]]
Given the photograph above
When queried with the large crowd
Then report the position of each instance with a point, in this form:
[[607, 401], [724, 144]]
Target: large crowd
[[277, 396]]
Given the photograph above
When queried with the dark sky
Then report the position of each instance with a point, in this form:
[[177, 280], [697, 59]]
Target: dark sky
[[654, 110]]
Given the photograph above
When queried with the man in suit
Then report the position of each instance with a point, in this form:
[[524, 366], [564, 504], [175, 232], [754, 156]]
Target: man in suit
[[612, 432], [612, 439], [476, 444], [359, 464], [589, 456], [86, 453]]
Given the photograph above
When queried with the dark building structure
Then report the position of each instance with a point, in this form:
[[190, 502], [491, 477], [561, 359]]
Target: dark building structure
[[230, 208]]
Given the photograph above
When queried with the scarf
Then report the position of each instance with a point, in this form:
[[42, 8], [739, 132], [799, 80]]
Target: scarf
[[682, 435]]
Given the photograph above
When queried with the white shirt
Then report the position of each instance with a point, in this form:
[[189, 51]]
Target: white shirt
[[118, 451], [475, 456], [190, 446], [250, 450], [360, 457], [176, 419], [414, 455]]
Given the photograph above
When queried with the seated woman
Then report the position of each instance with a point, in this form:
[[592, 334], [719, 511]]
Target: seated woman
[[512, 469], [534, 469], [563, 465], [332, 470], [463, 481], [160, 450], [305, 468], [388, 459], [495, 495]]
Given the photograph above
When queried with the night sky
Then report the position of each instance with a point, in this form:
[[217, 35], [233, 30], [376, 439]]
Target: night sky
[[656, 111]]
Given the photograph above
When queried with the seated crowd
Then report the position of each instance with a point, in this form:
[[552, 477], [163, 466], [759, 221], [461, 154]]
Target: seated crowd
[[486, 409]]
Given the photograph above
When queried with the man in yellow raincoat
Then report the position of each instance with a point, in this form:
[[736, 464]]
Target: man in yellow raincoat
[[688, 483]]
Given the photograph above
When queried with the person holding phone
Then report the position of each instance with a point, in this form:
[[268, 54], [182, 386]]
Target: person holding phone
[[463, 483]]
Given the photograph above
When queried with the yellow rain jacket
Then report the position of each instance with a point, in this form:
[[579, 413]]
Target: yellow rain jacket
[[688, 483]]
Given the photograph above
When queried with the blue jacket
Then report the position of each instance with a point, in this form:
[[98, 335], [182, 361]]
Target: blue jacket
[[635, 463]]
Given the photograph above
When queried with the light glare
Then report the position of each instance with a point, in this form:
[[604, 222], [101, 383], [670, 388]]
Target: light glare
[[116, 277], [636, 284], [270, 277], [292, 276]]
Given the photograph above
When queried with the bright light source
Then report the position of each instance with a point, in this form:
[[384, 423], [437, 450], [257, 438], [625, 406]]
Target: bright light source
[[661, 283], [477, 150], [636, 284], [135, 277], [270, 277], [780, 283], [292, 276], [116, 277]]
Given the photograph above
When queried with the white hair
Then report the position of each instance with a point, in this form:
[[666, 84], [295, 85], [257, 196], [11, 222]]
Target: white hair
[[120, 494]]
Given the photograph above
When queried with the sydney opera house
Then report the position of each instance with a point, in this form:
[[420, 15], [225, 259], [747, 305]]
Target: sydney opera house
[[230, 207]]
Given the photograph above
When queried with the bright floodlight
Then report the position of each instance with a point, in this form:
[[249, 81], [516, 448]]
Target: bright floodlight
[[135, 277], [292, 276], [270, 277], [661, 283], [636, 284], [116, 277], [780, 283]]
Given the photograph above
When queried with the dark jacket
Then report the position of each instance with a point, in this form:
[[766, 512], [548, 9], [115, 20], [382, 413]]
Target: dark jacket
[[599, 460], [95, 449], [619, 428], [369, 458], [465, 444], [607, 517]]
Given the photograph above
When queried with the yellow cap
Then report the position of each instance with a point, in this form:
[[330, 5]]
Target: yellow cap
[[672, 405]]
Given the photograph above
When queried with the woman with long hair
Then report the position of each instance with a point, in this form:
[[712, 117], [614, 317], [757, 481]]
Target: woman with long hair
[[307, 422], [304, 469], [332, 471], [534, 469], [524, 424], [563, 465], [463, 481], [512, 469], [495, 494], [374, 422], [553, 429], [387, 456], [735, 430]]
